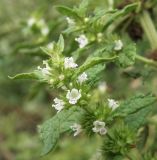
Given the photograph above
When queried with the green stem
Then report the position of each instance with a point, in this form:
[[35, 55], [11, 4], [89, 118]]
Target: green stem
[[149, 29], [146, 60]]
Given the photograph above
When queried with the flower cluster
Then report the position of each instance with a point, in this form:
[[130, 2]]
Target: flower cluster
[[73, 95], [99, 127]]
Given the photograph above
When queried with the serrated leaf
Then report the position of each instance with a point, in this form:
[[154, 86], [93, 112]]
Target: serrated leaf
[[30, 76], [136, 120], [50, 131], [94, 73], [134, 104], [91, 62], [126, 57]]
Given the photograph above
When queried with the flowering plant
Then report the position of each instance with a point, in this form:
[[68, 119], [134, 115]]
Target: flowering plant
[[83, 102]]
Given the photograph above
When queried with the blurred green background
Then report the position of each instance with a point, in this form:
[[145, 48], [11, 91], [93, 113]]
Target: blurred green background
[[23, 104]]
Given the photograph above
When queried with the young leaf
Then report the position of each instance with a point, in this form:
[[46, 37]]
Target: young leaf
[[30, 76], [60, 43], [134, 104], [50, 131]]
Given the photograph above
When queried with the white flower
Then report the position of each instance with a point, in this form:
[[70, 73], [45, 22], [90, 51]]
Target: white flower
[[73, 96], [31, 21], [118, 45], [82, 40], [70, 21], [76, 128], [69, 63], [45, 70], [45, 31], [59, 104], [102, 87], [82, 78], [113, 104], [99, 127]]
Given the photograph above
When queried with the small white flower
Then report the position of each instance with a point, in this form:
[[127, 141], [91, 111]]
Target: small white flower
[[45, 70], [69, 63], [99, 127], [82, 78], [82, 40], [70, 21], [59, 104], [113, 104], [61, 77], [73, 96], [45, 31], [118, 45], [76, 128], [50, 46], [31, 21], [102, 87]]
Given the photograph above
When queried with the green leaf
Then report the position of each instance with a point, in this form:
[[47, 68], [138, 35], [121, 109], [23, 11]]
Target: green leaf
[[50, 131], [94, 73], [119, 13], [60, 43], [126, 56], [67, 11], [91, 62], [134, 104], [31, 76], [136, 120]]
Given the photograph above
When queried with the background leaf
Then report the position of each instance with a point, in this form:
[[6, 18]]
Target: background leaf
[[134, 104]]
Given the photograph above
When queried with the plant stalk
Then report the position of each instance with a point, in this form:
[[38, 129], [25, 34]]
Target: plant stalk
[[146, 60], [149, 29]]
